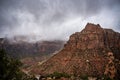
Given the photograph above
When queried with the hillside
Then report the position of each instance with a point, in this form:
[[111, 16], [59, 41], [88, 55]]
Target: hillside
[[92, 52]]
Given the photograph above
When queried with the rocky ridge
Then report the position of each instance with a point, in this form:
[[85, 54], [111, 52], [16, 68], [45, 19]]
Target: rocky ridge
[[93, 52]]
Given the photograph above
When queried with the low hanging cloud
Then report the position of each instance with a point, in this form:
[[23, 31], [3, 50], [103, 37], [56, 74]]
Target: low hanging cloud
[[55, 19]]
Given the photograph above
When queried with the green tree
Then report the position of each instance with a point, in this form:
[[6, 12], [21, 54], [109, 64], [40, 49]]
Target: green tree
[[10, 68]]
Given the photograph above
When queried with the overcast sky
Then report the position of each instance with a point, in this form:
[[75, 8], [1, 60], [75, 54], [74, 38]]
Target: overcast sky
[[56, 19]]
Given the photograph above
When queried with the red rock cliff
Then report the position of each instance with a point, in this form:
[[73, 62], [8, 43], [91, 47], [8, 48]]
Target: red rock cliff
[[87, 53]]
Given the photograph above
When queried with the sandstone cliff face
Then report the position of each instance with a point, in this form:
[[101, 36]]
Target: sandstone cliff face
[[86, 53], [93, 36]]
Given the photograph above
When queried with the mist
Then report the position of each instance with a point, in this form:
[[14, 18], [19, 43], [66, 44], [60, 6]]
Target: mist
[[55, 19]]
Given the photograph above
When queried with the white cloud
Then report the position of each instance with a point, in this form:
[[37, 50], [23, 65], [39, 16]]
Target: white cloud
[[57, 20]]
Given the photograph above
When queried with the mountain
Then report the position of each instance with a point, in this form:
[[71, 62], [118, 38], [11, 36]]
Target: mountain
[[94, 51], [21, 49]]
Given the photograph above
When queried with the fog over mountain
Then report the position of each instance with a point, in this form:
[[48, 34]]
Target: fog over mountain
[[55, 19]]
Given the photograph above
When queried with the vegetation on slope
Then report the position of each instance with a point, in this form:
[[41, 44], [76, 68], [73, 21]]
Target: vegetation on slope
[[10, 68]]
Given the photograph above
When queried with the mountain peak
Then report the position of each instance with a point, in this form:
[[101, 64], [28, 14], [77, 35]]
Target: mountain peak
[[92, 27], [86, 53]]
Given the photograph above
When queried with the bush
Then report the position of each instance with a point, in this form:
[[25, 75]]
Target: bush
[[10, 68], [85, 77], [58, 75], [105, 77]]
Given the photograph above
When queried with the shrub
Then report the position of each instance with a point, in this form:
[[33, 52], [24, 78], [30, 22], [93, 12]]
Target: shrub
[[58, 75], [10, 68]]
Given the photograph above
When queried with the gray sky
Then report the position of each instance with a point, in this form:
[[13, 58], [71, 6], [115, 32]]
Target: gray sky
[[55, 19]]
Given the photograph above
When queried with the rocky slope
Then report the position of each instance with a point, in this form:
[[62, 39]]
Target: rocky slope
[[94, 51]]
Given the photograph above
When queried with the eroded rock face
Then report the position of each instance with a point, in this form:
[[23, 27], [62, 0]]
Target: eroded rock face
[[86, 53], [110, 69], [93, 36]]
